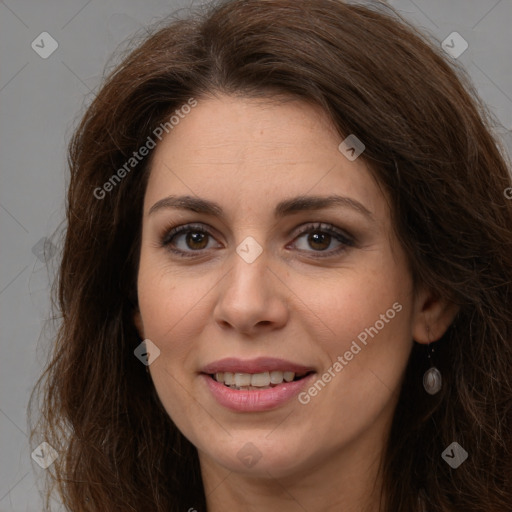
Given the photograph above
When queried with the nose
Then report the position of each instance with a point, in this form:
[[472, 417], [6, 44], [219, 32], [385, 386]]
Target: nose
[[251, 299]]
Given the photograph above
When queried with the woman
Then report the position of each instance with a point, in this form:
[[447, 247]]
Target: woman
[[286, 278]]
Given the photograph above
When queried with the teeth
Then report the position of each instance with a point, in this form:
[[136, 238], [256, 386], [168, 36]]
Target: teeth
[[254, 380], [242, 379], [260, 379], [276, 377], [288, 376]]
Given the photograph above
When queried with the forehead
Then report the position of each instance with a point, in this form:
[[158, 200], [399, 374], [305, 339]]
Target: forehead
[[251, 152]]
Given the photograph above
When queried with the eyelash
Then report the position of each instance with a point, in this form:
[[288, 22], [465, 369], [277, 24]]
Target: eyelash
[[186, 228], [329, 229], [320, 227]]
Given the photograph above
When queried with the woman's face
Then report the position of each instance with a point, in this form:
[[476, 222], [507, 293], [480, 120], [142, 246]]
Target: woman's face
[[284, 263]]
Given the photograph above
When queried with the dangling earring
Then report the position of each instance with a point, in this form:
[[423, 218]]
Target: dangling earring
[[432, 380]]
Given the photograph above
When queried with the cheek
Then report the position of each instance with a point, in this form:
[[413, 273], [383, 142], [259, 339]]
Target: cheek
[[347, 302], [166, 294], [362, 322], [172, 308], [364, 356]]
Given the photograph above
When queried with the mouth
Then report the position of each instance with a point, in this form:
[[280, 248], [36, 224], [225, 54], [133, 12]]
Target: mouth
[[255, 385], [242, 381]]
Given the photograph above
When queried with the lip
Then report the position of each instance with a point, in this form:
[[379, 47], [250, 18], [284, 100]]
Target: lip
[[255, 400], [257, 365]]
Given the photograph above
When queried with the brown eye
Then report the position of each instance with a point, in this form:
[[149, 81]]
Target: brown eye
[[322, 238], [195, 240], [188, 239], [319, 241]]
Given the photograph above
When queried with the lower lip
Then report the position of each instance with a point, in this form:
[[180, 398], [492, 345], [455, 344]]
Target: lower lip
[[255, 400]]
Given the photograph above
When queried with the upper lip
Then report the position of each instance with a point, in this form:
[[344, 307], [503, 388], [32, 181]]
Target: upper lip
[[258, 365]]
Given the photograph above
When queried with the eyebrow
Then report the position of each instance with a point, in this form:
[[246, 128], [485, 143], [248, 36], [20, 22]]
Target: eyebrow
[[284, 208]]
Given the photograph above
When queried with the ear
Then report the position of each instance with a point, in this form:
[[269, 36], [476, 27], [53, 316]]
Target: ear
[[432, 316], [137, 320]]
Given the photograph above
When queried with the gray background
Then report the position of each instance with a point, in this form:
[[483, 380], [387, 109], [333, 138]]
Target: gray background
[[40, 103]]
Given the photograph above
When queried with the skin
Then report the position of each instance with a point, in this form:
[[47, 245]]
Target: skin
[[247, 155]]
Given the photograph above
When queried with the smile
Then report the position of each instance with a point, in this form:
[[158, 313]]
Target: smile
[[255, 385], [256, 381]]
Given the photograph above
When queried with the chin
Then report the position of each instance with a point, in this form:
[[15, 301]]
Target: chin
[[260, 457]]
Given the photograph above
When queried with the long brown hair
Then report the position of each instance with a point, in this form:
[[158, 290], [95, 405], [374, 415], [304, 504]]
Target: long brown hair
[[428, 143]]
